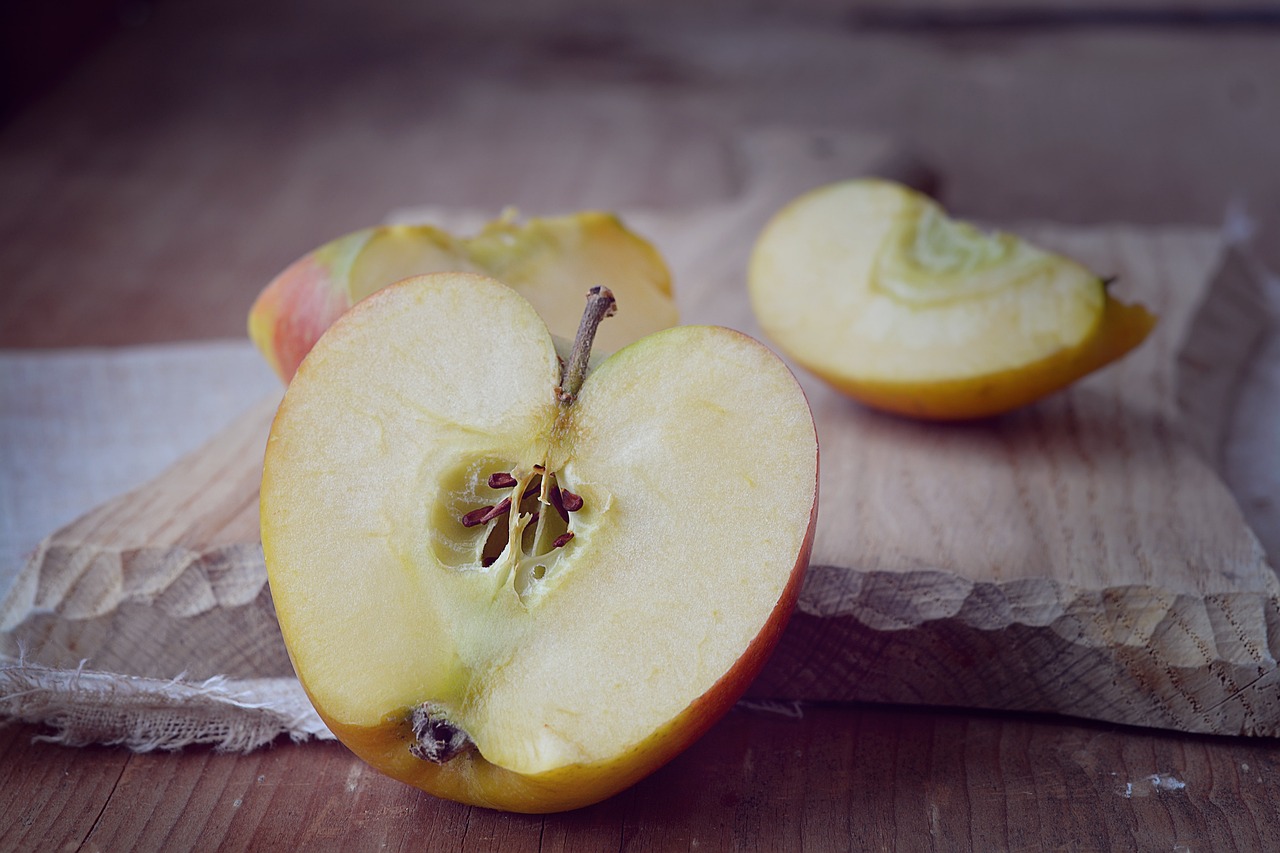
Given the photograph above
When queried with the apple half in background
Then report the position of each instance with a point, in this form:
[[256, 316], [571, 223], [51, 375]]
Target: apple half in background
[[873, 288], [544, 658], [550, 261]]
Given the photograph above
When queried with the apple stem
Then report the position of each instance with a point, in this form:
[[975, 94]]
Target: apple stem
[[600, 304]]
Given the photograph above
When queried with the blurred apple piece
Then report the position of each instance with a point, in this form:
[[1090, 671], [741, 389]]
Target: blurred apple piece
[[549, 261], [872, 287]]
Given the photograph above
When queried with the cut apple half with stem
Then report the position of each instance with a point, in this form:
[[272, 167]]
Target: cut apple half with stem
[[521, 585], [550, 261], [872, 287]]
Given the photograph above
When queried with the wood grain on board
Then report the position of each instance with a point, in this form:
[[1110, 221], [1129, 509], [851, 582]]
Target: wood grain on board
[[1081, 556], [841, 778]]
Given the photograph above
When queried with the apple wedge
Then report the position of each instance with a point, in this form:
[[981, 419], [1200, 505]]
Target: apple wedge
[[872, 287], [513, 587], [550, 261]]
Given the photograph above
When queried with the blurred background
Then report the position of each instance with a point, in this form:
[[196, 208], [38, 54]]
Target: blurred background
[[155, 145]]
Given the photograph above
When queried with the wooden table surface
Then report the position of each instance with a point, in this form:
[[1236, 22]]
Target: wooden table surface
[[148, 194]]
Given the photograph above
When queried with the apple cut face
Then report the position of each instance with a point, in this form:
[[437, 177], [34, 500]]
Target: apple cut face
[[872, 287], [518, 602], [550, 261]]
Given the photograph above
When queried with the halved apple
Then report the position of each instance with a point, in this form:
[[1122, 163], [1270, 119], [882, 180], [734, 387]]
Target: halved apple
[[512, 591], [873, 288], [549, 261]]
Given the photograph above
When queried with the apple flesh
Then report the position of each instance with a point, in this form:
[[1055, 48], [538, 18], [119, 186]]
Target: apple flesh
[[550, 261], [873, 288], [545, 654]]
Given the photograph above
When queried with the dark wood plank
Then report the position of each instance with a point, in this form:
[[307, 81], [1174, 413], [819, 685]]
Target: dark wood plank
[[837, 777], [51, 796]]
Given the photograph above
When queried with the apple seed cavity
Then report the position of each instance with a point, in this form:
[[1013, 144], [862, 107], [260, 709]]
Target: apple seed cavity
[[541, 490]]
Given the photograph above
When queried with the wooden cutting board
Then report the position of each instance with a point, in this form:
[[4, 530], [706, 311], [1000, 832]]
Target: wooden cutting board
[[1080, 557]]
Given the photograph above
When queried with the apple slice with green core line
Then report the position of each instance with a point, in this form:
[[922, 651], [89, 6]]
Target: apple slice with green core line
[[516, 587], [875, 289], [550, 261]]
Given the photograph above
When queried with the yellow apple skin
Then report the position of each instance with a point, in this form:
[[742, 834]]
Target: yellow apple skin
[[468, 777], [1122, 327], [472, 780], [855, 281], [542, 259]]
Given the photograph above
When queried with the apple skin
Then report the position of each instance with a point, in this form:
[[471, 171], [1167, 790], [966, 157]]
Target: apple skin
[[470, 779], [291, 314], [1122, 328], [571, 252]]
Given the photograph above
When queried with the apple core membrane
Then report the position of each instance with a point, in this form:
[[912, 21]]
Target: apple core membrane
[[931, 258]]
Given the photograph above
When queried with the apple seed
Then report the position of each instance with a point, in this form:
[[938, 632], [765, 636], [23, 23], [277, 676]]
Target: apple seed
[[571, 502], [501, 480], [475, 517], [485, 514], [557, 501], [498, 510]]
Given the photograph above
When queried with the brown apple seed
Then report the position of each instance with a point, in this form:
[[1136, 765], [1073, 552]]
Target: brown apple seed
[[557, 501], [485, 514], [501, 480]]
